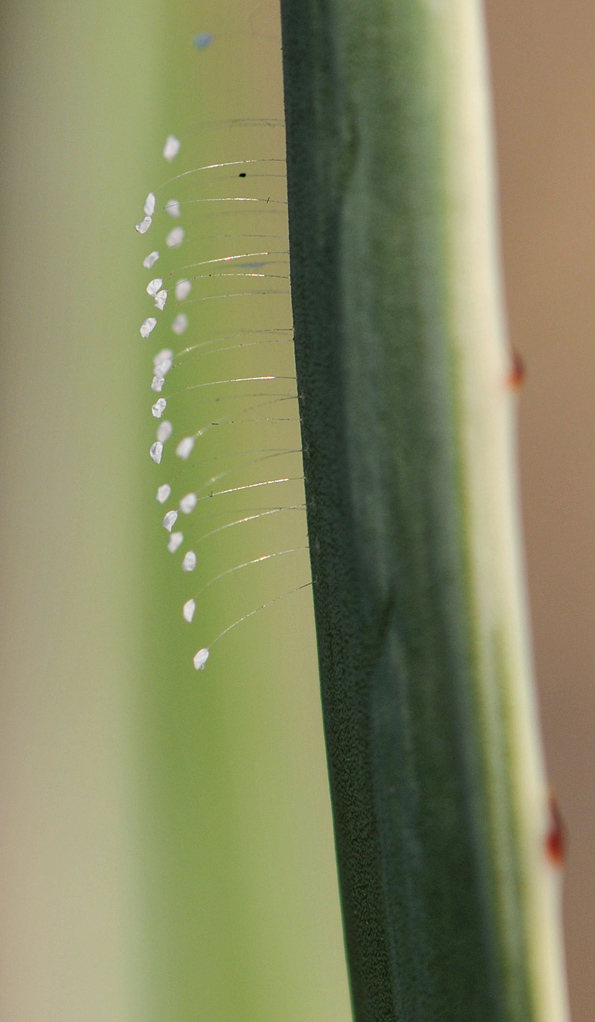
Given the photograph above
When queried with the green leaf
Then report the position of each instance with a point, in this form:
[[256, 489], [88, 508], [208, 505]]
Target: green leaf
[[439, 799]]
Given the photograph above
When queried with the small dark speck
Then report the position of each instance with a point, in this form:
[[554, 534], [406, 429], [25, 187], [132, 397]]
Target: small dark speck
[[242, 173], [202, 40]]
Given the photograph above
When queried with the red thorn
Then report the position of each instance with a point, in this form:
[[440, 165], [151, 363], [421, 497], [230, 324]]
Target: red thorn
[[555, 842], [516, 376]]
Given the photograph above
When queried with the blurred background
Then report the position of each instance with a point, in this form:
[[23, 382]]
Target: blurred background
[[544, 89], [165, 845]]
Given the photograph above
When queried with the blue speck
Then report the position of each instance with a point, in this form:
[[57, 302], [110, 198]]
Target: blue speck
[[202, 40]]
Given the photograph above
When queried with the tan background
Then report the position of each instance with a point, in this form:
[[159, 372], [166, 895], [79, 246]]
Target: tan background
[[544, 83]]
